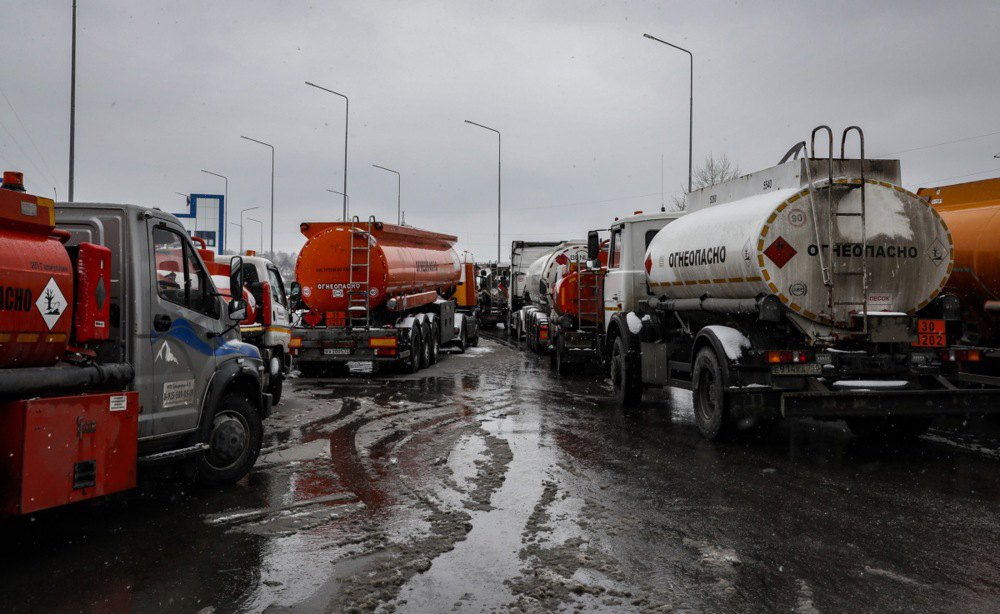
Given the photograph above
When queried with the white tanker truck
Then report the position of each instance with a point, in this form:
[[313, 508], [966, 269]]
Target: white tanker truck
[[808, 289], [531, 323]]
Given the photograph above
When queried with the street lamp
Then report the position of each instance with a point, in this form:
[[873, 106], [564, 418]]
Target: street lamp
[[187, 198], [498, 182], [225, 202], [242, 211], [272, 187], [250, 219], [72, 107], [347, 110], [399, 184], [347, 202], [690, 102]]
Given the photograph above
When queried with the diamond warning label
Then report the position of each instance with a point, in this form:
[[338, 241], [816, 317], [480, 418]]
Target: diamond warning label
[[51, 304], [780, 252]]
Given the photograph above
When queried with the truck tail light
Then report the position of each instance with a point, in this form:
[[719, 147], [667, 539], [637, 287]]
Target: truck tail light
[[385, 351], [265, 303], [782, 357], [961, 356], [383, 342], [295, 342], [543, 332]]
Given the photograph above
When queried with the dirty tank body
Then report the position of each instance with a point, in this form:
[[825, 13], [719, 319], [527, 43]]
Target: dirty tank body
[[546, 270], [767, 244]]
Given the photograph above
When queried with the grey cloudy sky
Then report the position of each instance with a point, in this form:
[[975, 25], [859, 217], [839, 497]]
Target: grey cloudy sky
[[586, 105]]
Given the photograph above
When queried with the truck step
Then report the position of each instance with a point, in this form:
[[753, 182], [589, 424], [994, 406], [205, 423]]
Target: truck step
[[172, 455]]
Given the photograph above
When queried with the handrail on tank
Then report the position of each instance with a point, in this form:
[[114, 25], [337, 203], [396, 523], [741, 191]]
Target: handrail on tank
[[794, 151], [824, 270], [864, 229], [827, 276]]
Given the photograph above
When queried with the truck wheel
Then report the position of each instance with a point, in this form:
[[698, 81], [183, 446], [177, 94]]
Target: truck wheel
[[234, 437], [889, 429], [416, 351], [563, 367], [463, 339], [432, 344], [711, 403], [275, 387], [474, 341], [310, 369], [625, 376]]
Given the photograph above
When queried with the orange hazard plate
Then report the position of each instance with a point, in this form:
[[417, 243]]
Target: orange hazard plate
[[930, 334]]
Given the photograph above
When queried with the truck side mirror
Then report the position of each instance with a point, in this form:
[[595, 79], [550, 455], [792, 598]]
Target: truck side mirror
[[237, 310], [236, 277], [593, 245], [295, 294]]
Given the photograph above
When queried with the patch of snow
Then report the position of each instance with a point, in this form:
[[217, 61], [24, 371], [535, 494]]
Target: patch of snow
[[634, 323], [895, 314], [732, 340]]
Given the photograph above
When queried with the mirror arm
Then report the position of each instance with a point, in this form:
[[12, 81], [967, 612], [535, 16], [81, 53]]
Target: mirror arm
[[212, 334]]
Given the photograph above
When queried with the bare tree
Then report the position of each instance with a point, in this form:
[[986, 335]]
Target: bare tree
[[713, 171]]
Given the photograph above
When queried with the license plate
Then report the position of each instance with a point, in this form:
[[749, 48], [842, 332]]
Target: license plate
[[808, 368], [337, 351], [931, 334]]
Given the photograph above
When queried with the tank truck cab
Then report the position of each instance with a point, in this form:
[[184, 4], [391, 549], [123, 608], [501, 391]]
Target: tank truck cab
[[811, 288], [271, 331], [199, 386]]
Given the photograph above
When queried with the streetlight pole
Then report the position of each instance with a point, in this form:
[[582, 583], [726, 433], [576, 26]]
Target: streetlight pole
[[250, 219], [272, 187], [399, 186], [347, 202], [225, 203], [347, 113], [242, 211], [690, 102], [72, 107], [499, 174]]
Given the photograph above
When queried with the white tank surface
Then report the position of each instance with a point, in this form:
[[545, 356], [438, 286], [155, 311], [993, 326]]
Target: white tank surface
[[808, 247], [546, 269]]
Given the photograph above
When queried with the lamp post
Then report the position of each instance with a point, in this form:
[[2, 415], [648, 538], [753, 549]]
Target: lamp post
[[272, 186], [225, 203], [399, 185], [347, 202], [690, 102], [242, 211], [72, 107], [347, 110], [498, 181], [250, 219], [187, 198]]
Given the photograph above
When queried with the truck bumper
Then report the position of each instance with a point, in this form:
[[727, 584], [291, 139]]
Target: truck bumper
[[333, 345], [889, 403]]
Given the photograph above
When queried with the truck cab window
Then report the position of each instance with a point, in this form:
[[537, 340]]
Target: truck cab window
[[616, 249], [277, 288], [180, 276]]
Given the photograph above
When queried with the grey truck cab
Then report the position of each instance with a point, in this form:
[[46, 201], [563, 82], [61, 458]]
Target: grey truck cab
[[200, 393]]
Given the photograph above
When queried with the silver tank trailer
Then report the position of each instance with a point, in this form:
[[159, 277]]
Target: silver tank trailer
[[547, 268], [806, 245]]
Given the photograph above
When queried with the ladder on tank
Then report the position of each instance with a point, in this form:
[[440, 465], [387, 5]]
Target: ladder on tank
[[588, 310], [837, 270], [359, 276]]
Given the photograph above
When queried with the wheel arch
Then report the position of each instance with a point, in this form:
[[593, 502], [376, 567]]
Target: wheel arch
[[710, 337]]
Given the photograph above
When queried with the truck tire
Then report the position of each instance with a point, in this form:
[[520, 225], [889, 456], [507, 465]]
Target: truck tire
[[889, 429], [626, 378], [234, 436], [431, 343], [275, 387], [310, 369], [711, 403], [416, 351], [562, 366], [463, 339]]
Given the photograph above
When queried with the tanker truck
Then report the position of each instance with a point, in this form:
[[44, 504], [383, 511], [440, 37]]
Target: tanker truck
[[576, 322], [531, 323], [792, 291], [115, 351], [972, 212], [377, 293], [522, 255]]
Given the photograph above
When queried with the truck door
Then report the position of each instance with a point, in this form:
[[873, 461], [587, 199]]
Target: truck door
[[614, 281], [184, 308], [279, 301]]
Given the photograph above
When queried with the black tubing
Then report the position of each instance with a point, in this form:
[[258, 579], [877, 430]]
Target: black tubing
[[46, 380]]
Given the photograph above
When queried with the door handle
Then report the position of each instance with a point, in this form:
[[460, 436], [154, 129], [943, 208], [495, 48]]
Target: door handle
[[161, 323]]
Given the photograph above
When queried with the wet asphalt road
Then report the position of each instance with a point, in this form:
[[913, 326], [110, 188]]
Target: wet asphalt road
[[486, 483]]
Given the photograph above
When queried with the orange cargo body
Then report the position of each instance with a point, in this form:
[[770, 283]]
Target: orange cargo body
[[568, 298], [972, 213], [403, 261], [466, 295], [36, 283]]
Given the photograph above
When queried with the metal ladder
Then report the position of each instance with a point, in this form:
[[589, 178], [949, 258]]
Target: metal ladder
[[594, 303], [358, 299], [839, 273]]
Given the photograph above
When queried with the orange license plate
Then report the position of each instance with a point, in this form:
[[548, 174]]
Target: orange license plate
[[931, 334]]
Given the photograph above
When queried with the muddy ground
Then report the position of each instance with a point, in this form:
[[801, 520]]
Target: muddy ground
[[487, 483]]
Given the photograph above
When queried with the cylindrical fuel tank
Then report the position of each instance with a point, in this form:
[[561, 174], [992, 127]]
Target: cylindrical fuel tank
[[773, 243], [401, 261], [546, 269], [36, 283], [579, 294]]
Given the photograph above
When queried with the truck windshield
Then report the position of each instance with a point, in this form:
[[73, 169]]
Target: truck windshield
[[180, 277], [277, 287]]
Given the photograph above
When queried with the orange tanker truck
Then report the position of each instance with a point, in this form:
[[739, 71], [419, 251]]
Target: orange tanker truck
[[972, 212], [374, 292]]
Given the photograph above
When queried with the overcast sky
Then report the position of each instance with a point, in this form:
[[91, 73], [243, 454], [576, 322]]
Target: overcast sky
[[586, 105]]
